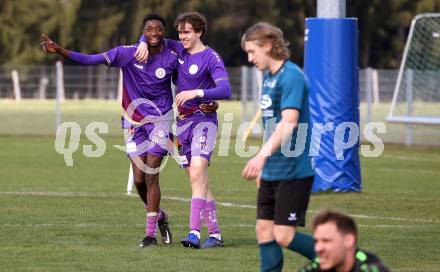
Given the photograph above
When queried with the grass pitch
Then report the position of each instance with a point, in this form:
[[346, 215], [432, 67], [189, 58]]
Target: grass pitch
[[37, 118], [55, 217]]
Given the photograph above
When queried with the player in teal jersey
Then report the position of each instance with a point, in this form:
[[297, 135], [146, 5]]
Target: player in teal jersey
[[284, 176], [335, 245]]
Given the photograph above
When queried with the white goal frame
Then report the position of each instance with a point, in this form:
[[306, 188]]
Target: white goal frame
[[408, 119]]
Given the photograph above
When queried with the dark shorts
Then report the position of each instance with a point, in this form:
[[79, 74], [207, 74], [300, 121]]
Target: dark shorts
[[196, 136], [284, 202]]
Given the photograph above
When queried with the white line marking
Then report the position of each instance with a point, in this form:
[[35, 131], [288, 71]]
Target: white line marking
[[94, 225], [227, 204], [224, 204], [414, 158], [411, 170]]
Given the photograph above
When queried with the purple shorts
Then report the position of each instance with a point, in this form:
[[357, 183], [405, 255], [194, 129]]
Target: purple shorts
[[196, 136], [150, 138]]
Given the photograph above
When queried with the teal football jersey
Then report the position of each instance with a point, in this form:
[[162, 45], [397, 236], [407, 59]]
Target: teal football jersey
[[287, 89]]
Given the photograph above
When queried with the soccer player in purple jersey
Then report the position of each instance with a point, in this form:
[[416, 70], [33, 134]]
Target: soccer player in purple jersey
[[147, 102], [202, 79]]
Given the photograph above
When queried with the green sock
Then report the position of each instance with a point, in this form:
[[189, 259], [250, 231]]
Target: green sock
[[271, 257], [304, 244]]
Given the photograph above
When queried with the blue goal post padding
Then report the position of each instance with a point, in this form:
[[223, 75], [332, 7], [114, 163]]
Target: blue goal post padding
[[331, 66]]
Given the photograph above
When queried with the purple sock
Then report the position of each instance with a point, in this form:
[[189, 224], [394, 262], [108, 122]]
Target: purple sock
[[151, 229], [210, 216], [159, 212], [196, 216], [160, 216]]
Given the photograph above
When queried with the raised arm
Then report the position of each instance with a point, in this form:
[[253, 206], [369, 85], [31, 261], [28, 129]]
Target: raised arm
[[52, 47]]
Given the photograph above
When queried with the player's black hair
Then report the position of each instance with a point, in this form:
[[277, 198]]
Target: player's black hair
[[153, 16]]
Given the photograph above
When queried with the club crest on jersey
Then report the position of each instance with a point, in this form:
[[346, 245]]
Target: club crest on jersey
[[193, 69], [160, 72], [265, 101]]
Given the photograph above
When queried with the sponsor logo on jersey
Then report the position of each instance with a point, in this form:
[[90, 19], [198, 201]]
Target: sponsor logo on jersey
[[180, 61], [139, 66], [267, 113], [270, 83], [265, 101]]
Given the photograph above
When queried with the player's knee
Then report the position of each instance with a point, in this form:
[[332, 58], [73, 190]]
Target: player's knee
[[154, 161], [138, 182], [196, 177], [282, 238], [263, 232]]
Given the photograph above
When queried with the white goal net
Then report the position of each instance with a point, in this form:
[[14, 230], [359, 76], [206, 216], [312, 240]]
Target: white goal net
[[416, 97]]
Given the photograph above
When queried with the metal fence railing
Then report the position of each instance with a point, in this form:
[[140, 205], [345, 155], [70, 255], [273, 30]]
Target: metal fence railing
[[100, 82], [376, 89]]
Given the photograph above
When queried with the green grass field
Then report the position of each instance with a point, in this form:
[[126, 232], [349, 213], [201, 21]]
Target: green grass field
[[54, 217], [37, 118]]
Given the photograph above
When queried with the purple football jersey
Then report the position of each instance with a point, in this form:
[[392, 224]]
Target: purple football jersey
[[151, 80], [202, 70]]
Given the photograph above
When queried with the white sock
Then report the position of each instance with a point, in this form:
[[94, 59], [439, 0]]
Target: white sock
[[217, 236], [197, 233]]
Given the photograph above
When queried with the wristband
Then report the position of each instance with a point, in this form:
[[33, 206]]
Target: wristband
[[200, 93]]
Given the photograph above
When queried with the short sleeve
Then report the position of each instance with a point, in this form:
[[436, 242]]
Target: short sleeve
[[217, 68], [294, 88], [119, 56]]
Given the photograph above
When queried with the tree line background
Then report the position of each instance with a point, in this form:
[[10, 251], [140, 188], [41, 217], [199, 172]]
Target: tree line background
[[92, 26]]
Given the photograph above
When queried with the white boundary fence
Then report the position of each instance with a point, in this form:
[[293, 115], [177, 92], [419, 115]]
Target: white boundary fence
[[79, 82]]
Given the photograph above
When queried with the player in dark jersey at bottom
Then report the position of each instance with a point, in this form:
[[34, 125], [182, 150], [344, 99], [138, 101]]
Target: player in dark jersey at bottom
[[336, 237]]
